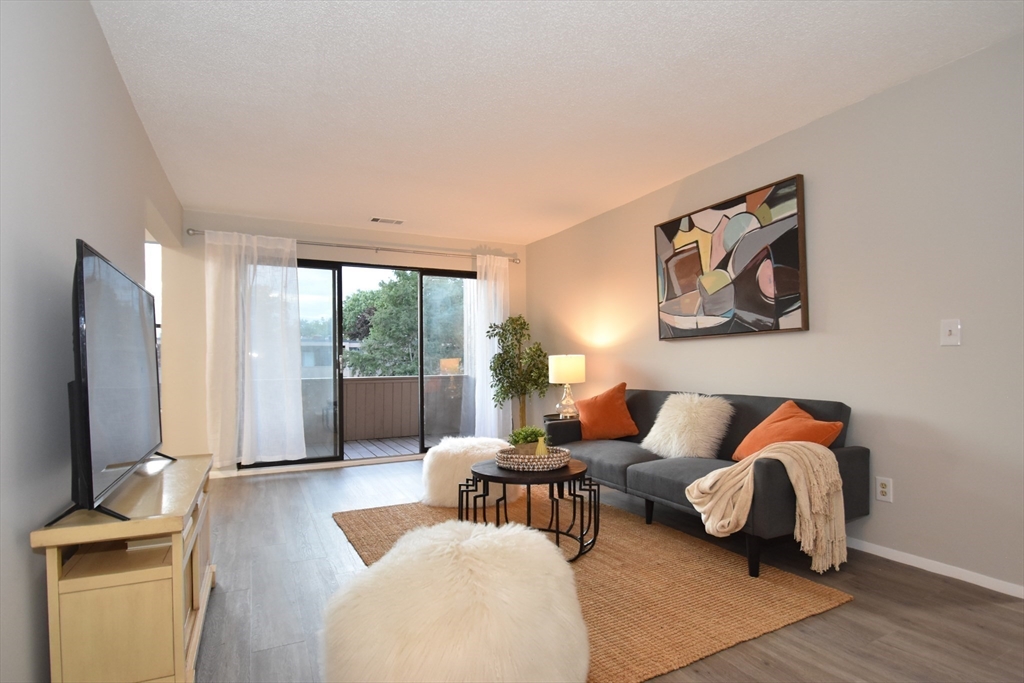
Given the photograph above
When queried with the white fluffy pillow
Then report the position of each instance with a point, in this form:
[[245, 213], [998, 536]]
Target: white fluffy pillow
[[689, 426]]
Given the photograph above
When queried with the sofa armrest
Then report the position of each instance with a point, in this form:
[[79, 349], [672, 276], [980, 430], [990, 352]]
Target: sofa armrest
[[773, 508], [563, 431], [854, 468]]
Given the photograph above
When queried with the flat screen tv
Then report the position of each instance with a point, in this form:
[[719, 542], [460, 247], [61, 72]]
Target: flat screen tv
[[114, 399]]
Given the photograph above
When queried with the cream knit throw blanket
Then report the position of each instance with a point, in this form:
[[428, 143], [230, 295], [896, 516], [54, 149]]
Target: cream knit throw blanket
[[723, 499]]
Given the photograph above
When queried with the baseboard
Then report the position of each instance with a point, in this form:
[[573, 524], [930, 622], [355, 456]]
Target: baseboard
[[949, 570], [229, 472]]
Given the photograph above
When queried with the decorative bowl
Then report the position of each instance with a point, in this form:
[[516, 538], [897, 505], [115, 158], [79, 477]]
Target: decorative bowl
[[510, 459]]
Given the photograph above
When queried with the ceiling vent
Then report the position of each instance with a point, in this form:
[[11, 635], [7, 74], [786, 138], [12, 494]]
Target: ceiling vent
[[389, 221]]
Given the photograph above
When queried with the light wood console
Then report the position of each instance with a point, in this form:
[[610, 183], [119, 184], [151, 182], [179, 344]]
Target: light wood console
[[121, 614]]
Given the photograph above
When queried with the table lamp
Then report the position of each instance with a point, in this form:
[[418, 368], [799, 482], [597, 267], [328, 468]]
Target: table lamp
[[450, 366], [566, 370]]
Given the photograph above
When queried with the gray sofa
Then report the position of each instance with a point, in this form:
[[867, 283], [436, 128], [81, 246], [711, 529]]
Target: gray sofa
[[622, 464]]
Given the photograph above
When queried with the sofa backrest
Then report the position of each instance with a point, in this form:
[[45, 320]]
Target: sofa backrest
[[644, 405]]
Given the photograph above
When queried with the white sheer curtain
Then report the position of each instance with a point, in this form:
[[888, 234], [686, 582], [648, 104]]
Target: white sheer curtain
[[484, 304], [253, 365]]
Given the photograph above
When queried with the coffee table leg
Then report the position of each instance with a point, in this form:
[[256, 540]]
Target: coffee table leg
[[593, 518], [499, 503], [558, 526], [529, 506], [551, 509], [584, 519], [573, 495], [466, 490], [480, 497], [576, 498], [487, 492], [588, 493]]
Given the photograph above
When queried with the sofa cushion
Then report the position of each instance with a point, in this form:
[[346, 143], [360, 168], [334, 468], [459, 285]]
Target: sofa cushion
[[668, 479], [787, 423], [689, 426], [606, 416], [752, 410], [643, 406], [607, 460]]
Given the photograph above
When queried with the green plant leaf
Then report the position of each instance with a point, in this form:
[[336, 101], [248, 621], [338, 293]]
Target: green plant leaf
[[519, 369], [528, 434]]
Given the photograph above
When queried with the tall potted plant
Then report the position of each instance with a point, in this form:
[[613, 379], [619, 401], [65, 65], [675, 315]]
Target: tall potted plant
[[519, 368]]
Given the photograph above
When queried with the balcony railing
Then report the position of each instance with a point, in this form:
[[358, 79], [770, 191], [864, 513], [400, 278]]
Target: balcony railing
[[383, 407], [380, 407]]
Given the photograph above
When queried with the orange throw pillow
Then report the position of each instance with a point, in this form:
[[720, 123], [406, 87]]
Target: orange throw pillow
[[605, 416], [789, 422]]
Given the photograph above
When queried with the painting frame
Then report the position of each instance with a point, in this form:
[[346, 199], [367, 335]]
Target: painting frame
[[735, 267]]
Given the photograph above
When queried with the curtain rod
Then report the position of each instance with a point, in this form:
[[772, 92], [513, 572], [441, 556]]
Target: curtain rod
[[192, 231]]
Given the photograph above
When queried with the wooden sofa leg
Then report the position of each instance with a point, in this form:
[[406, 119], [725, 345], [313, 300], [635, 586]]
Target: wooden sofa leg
[[754, 555], [648, 510]]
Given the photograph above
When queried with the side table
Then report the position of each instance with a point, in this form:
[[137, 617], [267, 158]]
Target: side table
[[580, 491]]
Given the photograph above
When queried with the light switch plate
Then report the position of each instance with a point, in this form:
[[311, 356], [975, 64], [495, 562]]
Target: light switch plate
[[949, 332]]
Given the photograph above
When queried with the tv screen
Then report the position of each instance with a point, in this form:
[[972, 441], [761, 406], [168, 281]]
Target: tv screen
[[116, 398]]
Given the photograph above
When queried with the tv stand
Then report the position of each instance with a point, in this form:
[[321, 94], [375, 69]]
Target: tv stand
[[102, 508], [76, 507], [127, 599]]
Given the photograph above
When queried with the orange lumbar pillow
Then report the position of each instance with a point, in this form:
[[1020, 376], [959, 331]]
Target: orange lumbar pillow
[[605, 416], [789, 422]]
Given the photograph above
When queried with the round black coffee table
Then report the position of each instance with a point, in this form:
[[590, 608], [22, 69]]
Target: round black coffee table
[[573, 487]]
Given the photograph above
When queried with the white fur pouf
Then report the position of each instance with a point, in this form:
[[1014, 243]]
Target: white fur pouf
[[447, 464], [460, 602]]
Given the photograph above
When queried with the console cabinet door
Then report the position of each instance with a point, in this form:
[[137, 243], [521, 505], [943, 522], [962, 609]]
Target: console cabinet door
[[120, 633]]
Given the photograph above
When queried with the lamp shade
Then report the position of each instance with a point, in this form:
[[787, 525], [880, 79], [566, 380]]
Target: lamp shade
[[570, 369]]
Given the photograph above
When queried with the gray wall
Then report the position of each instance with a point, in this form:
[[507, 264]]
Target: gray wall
[[76, 163], [914, 214]]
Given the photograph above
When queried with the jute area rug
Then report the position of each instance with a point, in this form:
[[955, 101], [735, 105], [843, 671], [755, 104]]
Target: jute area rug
[[654, 599]]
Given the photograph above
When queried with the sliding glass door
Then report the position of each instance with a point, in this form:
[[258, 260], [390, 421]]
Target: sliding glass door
[[383, 357], [380, 362], [447, 397], [319, 353]]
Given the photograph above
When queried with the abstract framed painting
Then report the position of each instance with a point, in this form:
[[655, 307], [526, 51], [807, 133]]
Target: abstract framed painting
[[738, 267]]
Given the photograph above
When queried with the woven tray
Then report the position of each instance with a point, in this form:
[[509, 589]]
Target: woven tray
[[509, 459]]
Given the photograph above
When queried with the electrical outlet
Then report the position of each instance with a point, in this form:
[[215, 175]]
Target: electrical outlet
[[883, 489]]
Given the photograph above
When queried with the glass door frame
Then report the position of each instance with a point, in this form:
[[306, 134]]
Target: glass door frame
[[336, 355], [339, 394], [338, 446]]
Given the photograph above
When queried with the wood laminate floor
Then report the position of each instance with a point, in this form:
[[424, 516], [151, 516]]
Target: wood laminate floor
[[368, 448], [280, 556]]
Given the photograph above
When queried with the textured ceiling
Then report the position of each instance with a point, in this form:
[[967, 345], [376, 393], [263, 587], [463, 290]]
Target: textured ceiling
[[499, 121]]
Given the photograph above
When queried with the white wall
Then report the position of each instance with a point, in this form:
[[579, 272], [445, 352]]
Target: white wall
[[183, 344], [914, 213], [76, 162]]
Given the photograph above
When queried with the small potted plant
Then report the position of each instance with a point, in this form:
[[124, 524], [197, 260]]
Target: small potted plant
[[529, 453], [525, 439]]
